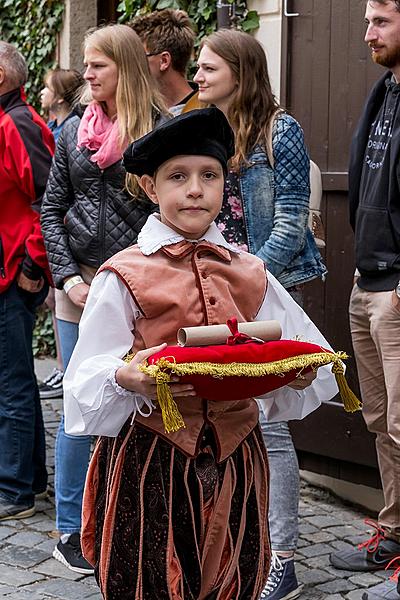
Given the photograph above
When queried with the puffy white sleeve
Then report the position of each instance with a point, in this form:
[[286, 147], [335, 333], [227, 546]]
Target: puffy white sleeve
[[286, 403], [93, 401]]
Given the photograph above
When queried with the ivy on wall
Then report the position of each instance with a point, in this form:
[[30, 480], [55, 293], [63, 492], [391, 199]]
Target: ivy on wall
[[202, 13], [32, 26], [43, 335]]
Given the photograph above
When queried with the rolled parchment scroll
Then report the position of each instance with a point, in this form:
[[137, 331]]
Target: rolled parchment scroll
[[210, 335]]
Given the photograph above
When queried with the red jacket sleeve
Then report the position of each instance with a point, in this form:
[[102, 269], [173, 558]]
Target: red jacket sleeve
[[27, 160]]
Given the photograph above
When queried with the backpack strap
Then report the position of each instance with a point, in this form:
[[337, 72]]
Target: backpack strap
[[269, 149], [315, 220]]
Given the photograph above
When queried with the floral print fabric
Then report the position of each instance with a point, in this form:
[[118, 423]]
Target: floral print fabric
[[230, 220]]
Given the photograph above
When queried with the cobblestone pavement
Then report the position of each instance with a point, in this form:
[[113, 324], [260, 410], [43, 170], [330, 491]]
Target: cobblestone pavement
[[28, 571]]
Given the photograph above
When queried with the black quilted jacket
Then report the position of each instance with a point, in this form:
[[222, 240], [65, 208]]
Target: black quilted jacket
[[87, 215]]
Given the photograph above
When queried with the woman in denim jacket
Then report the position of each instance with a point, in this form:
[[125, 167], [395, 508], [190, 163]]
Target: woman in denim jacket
[[265, 212]]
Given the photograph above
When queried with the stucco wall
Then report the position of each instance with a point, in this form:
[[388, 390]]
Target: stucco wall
[[270, 35], [78, 17]]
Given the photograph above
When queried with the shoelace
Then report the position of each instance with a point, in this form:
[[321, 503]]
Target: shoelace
[[396, 574], [274, 577], [51, 376], [373, 542], [55, 376]]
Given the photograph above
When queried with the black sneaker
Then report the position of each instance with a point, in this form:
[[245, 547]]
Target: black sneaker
[[282, 581], [70, 555], [15, 511], [51, 386], [372, 555]]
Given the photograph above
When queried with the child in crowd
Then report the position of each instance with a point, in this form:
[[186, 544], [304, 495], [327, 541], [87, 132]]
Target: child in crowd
[[180, 515]]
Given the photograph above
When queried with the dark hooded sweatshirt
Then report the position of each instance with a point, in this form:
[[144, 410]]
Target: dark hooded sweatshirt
[[374, 188]]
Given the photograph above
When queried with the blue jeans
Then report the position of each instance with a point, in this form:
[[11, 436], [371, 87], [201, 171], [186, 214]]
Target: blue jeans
[[72, 453], [22, 439], [284, 485]]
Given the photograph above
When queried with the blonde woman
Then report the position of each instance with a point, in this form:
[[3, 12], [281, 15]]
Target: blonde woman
[[87, 216], [265, 211]]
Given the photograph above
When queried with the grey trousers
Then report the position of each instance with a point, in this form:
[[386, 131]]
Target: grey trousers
[[283, 487]]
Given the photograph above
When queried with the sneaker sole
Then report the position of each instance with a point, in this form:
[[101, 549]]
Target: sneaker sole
[[24, 514], [51, 394], [367, 568], [58, 556]]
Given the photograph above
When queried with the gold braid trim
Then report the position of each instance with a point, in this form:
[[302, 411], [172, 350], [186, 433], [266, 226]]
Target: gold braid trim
[[172, 418], [278, 367]]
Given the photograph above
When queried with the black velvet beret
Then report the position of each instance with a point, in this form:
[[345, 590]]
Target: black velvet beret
[[199, 132]]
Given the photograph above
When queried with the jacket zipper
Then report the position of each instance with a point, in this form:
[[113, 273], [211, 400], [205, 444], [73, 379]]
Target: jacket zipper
[[102, 224], [2, 269]]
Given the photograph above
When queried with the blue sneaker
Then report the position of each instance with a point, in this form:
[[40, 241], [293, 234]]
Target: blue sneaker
[[282, 581], [388, 590]]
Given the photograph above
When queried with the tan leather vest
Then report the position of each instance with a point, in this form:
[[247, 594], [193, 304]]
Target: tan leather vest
[[185, 285]]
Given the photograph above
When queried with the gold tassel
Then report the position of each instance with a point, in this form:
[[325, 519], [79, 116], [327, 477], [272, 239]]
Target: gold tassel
[[162, 371], [171, 416], [350, 401]]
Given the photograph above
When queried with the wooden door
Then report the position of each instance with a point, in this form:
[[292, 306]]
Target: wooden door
[[326, 77]]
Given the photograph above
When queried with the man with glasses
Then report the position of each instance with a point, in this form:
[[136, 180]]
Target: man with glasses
[[168, 39]]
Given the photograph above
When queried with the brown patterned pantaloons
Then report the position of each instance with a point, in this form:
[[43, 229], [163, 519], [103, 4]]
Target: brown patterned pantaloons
[[157, 524]]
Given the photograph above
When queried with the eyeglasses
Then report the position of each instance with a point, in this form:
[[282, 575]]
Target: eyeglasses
[[152, 54]]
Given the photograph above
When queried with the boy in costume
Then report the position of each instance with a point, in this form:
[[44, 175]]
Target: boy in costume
[[180, 515]]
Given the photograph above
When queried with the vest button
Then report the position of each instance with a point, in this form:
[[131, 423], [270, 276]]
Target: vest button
[[211, 414], [204, 275], [212, 301]]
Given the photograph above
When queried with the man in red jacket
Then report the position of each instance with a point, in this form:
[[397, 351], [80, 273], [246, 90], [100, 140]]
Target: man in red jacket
[[26, 148]]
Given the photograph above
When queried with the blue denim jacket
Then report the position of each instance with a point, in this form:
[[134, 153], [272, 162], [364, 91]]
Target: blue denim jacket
[[275, 206]]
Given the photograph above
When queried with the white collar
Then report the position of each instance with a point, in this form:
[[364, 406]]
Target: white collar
[[155, 235]]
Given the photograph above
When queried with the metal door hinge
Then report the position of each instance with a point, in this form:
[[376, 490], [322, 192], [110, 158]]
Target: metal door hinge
[[285, 10]]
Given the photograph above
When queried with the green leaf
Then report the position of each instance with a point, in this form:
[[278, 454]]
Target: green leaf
[[251, 22], [167, 4]]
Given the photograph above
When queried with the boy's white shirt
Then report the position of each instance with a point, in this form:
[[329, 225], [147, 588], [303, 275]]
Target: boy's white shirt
[[95, 404]]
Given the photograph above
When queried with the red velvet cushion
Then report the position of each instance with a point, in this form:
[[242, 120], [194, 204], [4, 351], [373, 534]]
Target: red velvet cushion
[[243, 385]]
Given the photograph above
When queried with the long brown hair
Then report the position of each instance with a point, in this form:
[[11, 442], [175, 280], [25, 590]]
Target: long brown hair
[[65, 83], [253, 105]]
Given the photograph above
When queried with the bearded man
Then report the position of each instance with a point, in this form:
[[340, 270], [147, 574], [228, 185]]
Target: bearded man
[[374, 196]]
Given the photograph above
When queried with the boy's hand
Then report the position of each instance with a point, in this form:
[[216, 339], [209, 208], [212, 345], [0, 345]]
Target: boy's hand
[[130, 378], [303, 381]]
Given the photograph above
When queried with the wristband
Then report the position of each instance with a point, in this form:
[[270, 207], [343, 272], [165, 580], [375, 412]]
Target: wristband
[[68, 285]]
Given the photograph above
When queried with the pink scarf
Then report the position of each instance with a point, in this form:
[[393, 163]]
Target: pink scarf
[[99, 133]]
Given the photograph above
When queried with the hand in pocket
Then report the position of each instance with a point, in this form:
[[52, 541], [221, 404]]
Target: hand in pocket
[[29, 285]]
